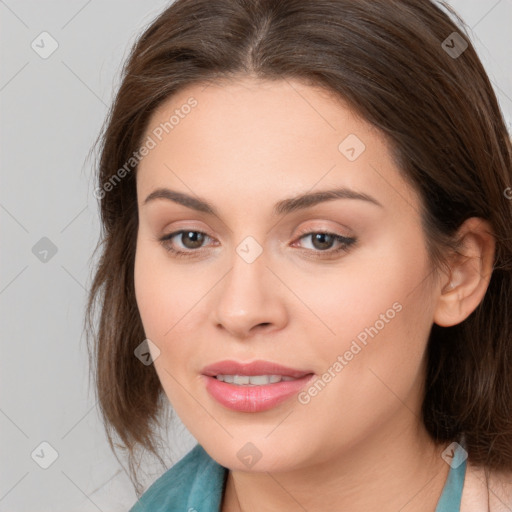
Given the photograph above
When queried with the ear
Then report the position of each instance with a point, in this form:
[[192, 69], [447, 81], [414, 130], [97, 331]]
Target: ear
[[469, 274]]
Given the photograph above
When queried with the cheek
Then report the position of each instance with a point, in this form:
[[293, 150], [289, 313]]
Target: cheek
[[152, 302], [366, 290], [169, 298], [375, 312], [381, 314], [163, 301], [160, 289]]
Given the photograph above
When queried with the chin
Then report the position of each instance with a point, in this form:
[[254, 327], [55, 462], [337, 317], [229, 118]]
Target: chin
[[256, 456]]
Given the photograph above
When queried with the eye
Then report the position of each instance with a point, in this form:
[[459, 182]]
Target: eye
[[323, 241], [190, 240]]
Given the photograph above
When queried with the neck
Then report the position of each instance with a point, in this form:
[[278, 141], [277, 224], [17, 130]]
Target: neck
[[395, 469]]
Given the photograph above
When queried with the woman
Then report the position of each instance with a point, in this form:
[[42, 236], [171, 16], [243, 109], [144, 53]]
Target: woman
[[307, 252]]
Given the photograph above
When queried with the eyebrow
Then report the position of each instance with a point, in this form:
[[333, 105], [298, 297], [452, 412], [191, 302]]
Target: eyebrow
[[282, 207]]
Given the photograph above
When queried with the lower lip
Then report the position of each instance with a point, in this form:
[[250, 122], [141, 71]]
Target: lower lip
[[254, 398]]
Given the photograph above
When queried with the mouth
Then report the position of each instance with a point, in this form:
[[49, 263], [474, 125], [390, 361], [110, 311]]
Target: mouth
[[253, 387], [253, 369], [253, 380]]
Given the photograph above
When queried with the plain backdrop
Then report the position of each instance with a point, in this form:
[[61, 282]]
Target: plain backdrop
[[52, 108]]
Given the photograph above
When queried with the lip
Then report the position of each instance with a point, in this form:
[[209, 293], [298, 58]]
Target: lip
[[253, 398], [258, 367]]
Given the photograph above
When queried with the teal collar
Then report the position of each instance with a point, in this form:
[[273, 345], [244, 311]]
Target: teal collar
[[452, 492]]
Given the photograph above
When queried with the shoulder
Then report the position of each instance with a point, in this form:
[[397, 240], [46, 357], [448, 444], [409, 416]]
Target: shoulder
[[195, 482], [481, 495]]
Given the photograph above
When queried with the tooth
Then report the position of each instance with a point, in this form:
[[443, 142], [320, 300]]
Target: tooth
[[259, 379], [253, 380], [240, 379]]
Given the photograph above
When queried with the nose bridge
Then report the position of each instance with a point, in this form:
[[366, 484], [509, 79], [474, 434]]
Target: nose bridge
[[247, 298], [245, 283]]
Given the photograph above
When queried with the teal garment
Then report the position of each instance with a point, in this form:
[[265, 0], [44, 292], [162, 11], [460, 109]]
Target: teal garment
[[196, 484], [452, 490]]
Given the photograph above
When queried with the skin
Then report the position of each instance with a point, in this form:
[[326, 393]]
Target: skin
[[359, 444]]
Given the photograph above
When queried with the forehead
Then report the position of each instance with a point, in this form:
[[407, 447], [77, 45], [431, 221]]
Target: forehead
[[262, 136], [256, 107]]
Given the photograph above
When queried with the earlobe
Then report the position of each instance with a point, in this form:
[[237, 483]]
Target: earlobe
[[469, 275]]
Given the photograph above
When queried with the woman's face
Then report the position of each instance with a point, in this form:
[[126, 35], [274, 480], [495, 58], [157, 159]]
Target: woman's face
[[338, 288]]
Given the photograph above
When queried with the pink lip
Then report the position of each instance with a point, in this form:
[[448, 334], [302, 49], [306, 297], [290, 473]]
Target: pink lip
[[253, 398], [254, 368]]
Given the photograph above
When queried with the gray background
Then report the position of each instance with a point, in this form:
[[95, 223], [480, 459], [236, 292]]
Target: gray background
[[51, 113]]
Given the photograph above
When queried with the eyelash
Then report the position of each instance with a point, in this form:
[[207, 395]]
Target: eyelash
[[346, 243]]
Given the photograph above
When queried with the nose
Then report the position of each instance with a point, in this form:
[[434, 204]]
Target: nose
[[249, 299]]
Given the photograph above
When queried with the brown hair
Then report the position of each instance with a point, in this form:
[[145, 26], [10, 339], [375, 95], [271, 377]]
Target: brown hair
[[389, 61]]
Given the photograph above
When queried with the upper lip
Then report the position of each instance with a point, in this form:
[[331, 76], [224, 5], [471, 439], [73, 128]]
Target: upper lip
[[253, 368]]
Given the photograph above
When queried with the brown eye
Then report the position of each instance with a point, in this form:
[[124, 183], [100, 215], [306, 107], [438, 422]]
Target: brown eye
[[184, 242], [192, 239], [322, 241]]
